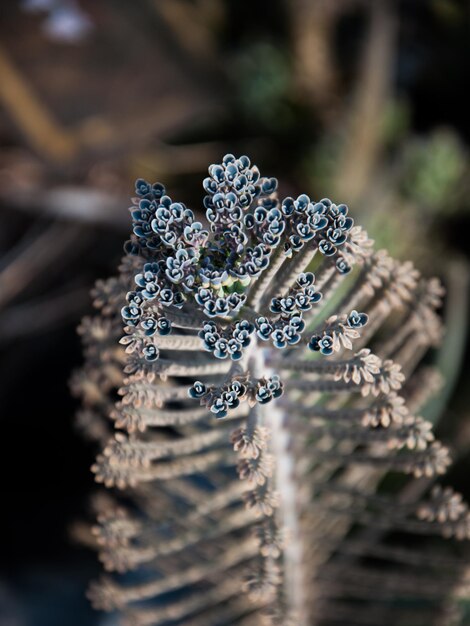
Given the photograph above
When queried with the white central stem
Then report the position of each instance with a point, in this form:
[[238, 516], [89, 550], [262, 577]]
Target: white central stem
[[285, 485]]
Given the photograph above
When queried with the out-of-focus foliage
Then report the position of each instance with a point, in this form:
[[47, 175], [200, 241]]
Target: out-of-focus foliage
[[434, 172]]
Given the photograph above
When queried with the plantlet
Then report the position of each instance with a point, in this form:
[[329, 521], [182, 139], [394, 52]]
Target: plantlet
[[265, 392]]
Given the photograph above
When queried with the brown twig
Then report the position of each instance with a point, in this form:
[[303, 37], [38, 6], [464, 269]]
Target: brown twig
[[363, 131], [31, 115]]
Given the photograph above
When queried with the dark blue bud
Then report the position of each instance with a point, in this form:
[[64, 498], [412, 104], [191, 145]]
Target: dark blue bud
[[276, 306], [238, 387], [326, 247], [301, 204], [268, 185], [150, 352], [198, 390], [164, 326], [326, 345], [149, 324], [357, 320], [342, 266], [314, 343], [287, 206], [142, 187], [278, 338]]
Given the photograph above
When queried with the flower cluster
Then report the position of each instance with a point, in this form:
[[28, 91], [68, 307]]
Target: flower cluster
[[337, 331], [268, 389], [321, 343], [298, 299], [133, 312], [244, 235], [152, 324], [232, 187], [283, 332], [158, 222], [214, 305], [214, 267], [255, 260], [221, 400], [247, 222], [141, 327], [181, 256], [151, 289], [325, 220], [142, 212], [266, 222], [228, 342], [168, 237], [286, 329]]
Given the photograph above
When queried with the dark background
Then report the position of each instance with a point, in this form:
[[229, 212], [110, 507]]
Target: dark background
[[363, 101]]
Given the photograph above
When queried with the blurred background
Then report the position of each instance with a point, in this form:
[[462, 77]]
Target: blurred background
[[362, 101]]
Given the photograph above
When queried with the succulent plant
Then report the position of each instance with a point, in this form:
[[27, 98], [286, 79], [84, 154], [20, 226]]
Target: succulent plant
[[265, 393]]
